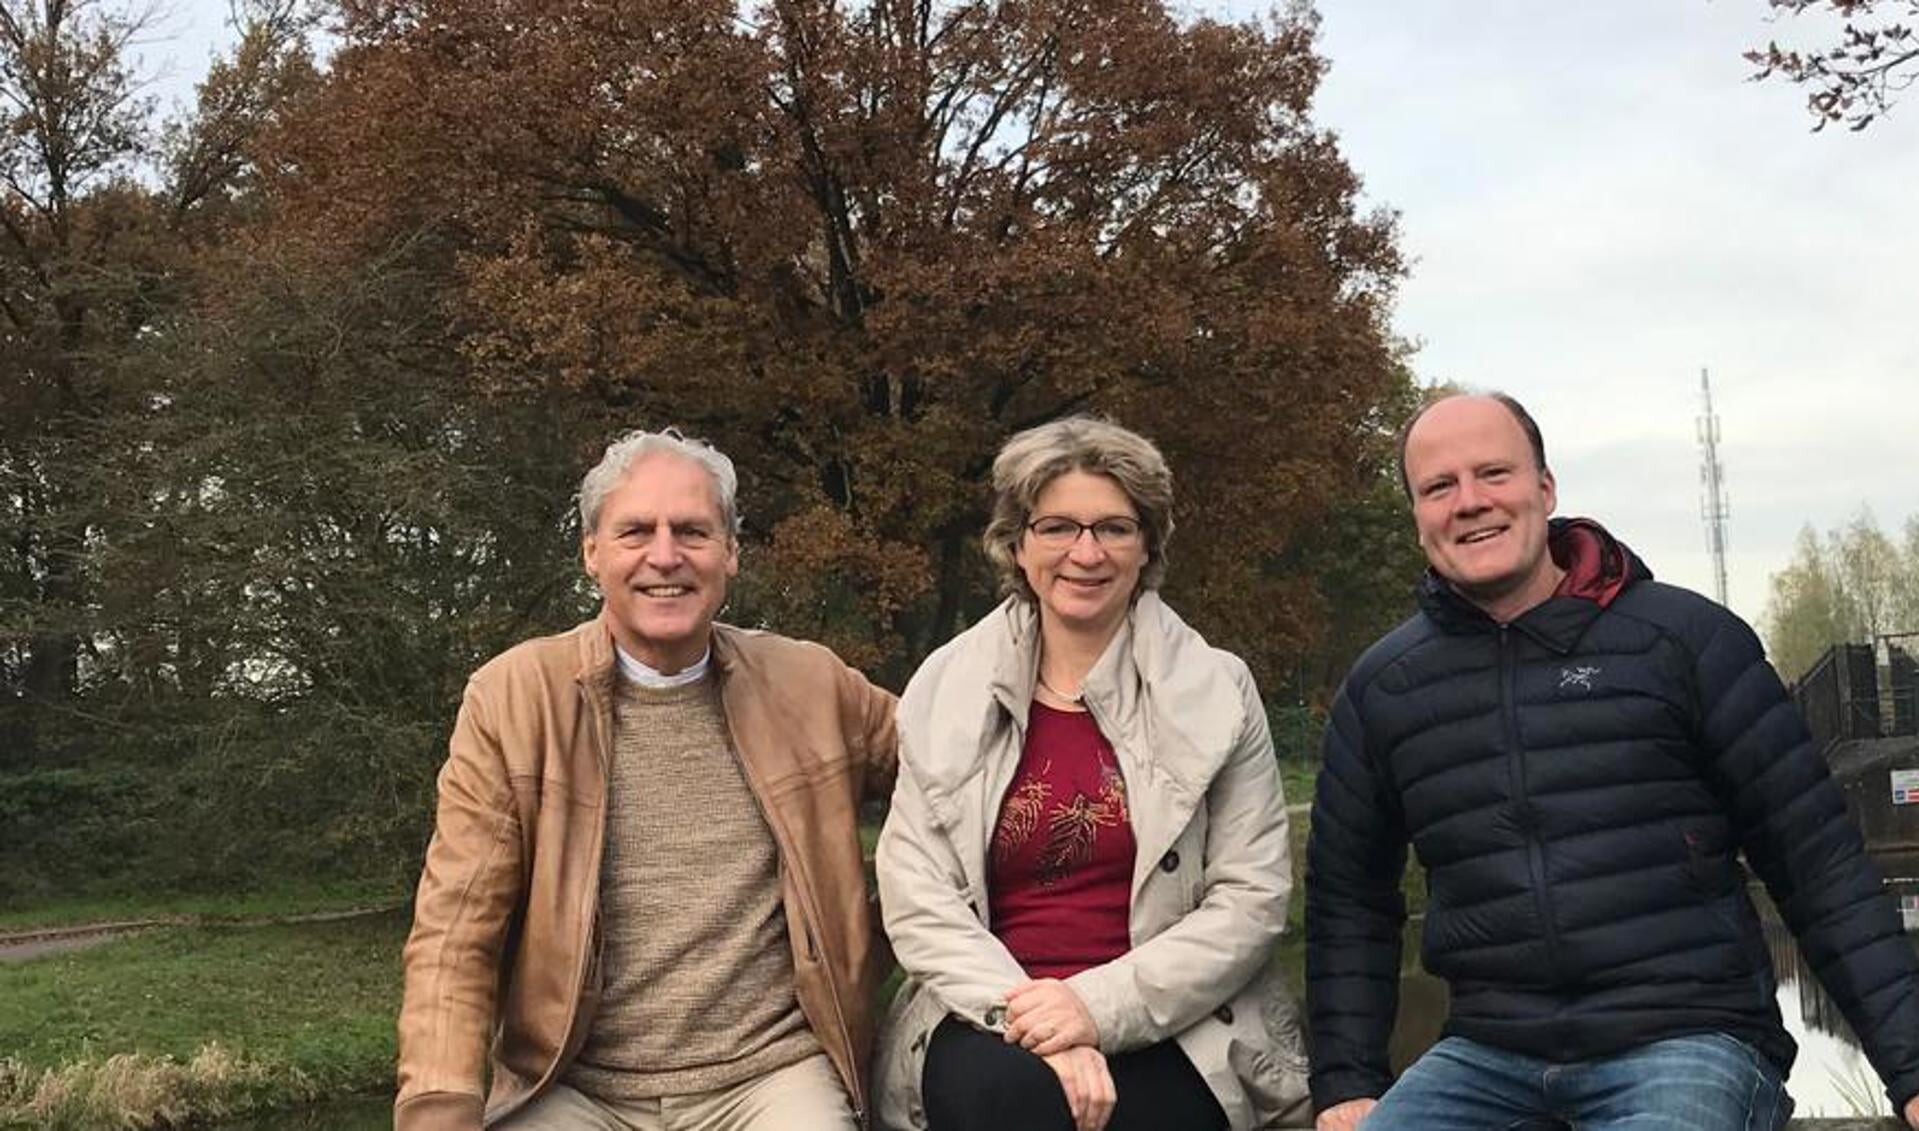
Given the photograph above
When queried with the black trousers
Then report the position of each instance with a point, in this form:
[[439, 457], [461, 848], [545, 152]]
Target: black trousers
[[975, 1081]]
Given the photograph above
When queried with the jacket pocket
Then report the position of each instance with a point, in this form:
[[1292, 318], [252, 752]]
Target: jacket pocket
[[1267, 1051], [1709, 858], [1718, 881]]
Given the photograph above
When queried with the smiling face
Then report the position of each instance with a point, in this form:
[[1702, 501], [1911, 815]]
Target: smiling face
[[661, 554], [1480, 504], [1086, 586]]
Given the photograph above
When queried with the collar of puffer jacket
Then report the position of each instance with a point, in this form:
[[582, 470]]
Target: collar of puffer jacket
[[1598, 569]]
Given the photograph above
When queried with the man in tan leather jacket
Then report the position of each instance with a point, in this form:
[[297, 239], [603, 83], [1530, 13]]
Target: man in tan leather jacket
[[644, 902]]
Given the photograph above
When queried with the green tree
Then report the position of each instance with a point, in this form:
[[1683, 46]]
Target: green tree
[[1804, 616], [1849, 587], [256, 532], [77, 257]]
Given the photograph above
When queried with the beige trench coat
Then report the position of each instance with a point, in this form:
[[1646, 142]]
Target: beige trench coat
[[1210, 882]]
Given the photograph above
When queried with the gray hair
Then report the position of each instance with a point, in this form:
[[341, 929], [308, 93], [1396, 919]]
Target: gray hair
[[1037, 456], [620, 454]]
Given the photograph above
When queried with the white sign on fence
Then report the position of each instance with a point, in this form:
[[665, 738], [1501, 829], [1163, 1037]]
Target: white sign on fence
[[1905, 787], [1909, 911]]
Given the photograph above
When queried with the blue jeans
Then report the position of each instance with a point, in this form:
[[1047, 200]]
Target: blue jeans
[[1704, 1082]]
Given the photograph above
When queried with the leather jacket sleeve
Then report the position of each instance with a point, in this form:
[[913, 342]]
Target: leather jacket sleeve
[[468, 891], [868, 713]]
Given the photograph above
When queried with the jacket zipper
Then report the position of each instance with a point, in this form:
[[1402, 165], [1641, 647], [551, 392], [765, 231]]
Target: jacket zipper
[[1522, 801], [803, 885]]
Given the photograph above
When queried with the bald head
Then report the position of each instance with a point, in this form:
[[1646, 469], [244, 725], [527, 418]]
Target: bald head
[[1521, 417], [1482, 498]]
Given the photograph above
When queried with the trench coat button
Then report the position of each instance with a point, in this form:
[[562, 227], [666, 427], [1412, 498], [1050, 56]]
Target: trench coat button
[[1225, 1014], [1169, 862], [995, 1016]]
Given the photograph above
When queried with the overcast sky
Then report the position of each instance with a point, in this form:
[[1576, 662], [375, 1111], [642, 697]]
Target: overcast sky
[[1598, 205]]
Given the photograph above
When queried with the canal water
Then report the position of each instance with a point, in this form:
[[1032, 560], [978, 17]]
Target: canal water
[[1831, 1076]]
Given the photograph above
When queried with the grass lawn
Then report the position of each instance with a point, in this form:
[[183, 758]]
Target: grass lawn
[[1297, 777], [216, 1020], [200, 1021]]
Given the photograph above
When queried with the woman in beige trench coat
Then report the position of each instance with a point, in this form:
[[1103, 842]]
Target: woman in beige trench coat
[[1085, 868]]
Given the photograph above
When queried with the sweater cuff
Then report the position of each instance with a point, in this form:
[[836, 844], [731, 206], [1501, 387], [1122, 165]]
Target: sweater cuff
[[439, 1111]]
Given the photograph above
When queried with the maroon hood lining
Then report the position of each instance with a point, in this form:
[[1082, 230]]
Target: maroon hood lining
[[1595, 564]]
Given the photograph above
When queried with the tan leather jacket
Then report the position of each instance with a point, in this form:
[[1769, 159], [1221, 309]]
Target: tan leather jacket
[[503, 957]]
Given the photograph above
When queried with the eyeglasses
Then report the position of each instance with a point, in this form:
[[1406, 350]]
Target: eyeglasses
[[1057, 532]]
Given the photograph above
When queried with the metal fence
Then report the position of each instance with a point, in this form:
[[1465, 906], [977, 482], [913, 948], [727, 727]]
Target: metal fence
[[1849, 696], [1840, 694]]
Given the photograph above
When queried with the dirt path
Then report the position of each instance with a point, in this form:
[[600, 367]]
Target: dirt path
[[47, 946], [44, 942]]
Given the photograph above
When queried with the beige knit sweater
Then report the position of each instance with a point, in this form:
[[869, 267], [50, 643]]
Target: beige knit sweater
[[698, 968]]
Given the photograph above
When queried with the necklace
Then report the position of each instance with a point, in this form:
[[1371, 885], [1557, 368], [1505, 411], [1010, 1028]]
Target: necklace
[[1060, 695]]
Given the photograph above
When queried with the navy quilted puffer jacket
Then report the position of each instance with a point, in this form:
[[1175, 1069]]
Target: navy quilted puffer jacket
[[1578, 785]]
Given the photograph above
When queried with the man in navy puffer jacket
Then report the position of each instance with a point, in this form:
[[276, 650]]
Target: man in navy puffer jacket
[[1578, 754]]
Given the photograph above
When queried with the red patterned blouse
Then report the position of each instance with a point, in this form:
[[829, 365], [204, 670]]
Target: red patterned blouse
[[1062, 853]]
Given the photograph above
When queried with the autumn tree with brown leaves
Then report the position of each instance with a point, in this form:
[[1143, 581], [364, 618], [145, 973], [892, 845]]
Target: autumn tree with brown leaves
[[858, 245], [296, 388], [1855, 79]]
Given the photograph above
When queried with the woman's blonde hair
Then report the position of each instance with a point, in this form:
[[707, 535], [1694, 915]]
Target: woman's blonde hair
[[1034, 458]]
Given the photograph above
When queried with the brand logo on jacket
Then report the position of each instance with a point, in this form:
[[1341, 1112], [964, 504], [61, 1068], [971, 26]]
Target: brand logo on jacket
[[1580, 678]]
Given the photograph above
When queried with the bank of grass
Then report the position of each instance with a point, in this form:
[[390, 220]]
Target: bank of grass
[[185, 1024], [1297, 777]]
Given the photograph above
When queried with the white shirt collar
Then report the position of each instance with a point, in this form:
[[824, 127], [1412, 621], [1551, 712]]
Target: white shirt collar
[[646, 676]]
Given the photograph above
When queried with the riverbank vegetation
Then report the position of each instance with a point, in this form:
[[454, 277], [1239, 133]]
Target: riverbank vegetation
[[195, 1023]]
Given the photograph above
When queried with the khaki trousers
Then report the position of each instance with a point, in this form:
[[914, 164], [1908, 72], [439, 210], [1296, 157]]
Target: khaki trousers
[[806, 1096]]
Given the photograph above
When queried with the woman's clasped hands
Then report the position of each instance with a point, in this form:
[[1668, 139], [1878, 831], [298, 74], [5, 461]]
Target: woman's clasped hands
[[1045, 1017]]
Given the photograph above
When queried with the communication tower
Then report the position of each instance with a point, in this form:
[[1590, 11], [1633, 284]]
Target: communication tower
[[1712, 490]]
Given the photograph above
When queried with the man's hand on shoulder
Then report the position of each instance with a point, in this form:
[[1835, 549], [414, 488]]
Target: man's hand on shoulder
[[1344, 1116]]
